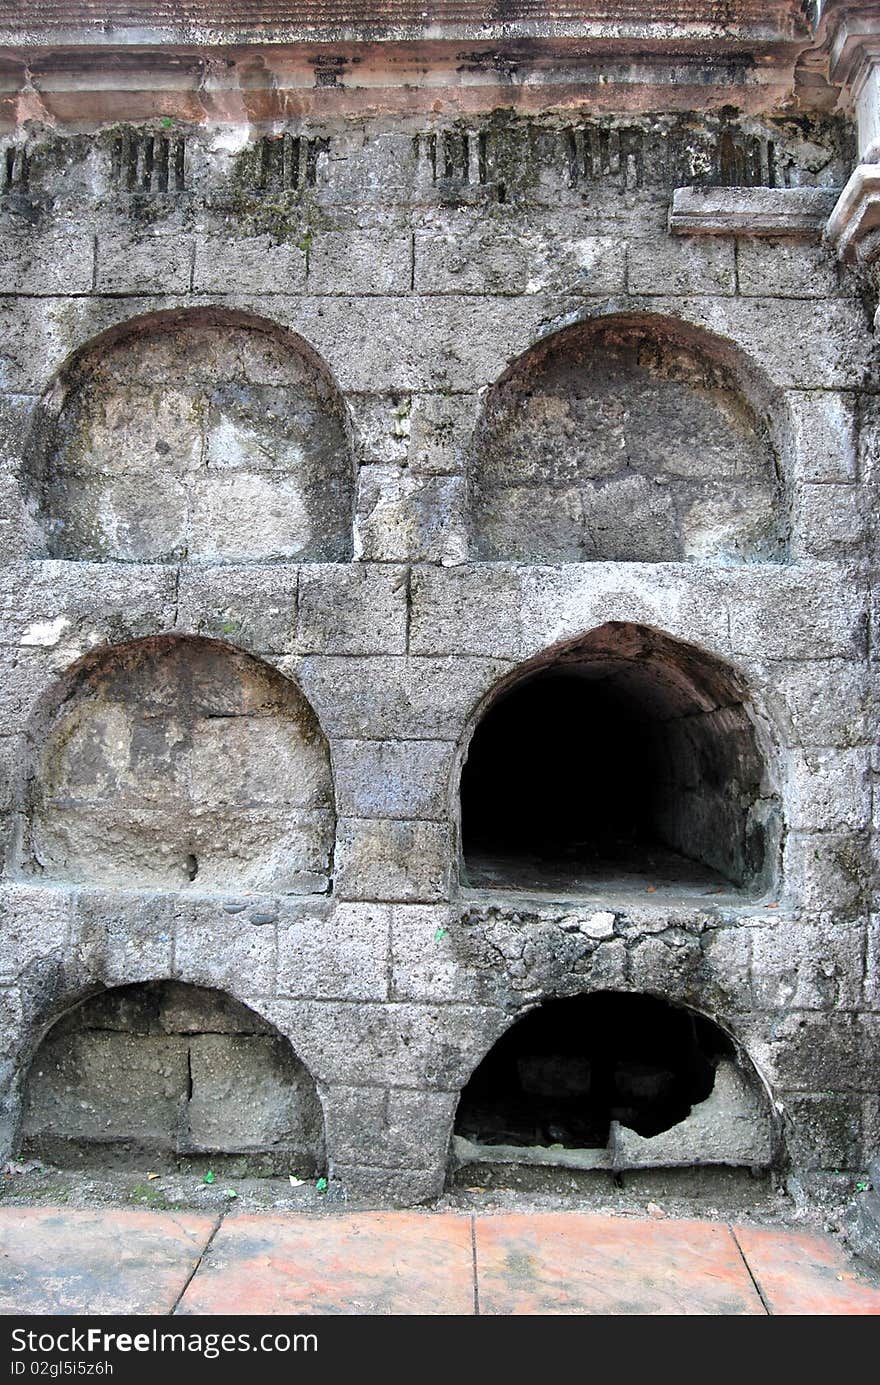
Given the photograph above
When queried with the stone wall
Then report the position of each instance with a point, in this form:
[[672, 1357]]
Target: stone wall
[[267, 404]]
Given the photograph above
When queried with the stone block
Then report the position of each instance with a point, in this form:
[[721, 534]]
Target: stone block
[[356, 1124], [829, 790], [121, 938], [468, 611], [145, 263], [831, 523], [402, 516], [13, 752], [807, 966], [107, 1087], [686, 266], [16, 421], [34, 924], [509, 611], [19, 535], [440, 431], [828, 702], [251, 607], [12, 1031], [491, 259], [389, 1187], [195, 1010], [392, 860], [727, 954], [352, 610], [427, 960], [390, 1129], [249, 1093], [800, 212], [373, 261], [243, 515], [250, 761], [806, 344], [393, 779], [227, 951], [248, 264], [386, 698], [339, 953], [823, 435], [786, 269], [56, 261], [428, 343], [667, 965], [417, 1047], [872, 972], [791, 614], [420, 1127], [823, 1129], [732, 1126], [829, 871], [381, 427], [820, 1052], [61, 610]]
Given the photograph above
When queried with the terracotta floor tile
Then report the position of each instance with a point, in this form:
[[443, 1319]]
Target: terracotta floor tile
[[804, 1273], [576, 1263], [370, 1263], [60, 1260]]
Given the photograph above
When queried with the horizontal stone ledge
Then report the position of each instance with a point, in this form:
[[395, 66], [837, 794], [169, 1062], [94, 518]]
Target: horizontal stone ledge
[[751, 211]]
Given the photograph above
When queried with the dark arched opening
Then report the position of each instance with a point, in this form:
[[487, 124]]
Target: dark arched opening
[[613, 1080], [628, 760]]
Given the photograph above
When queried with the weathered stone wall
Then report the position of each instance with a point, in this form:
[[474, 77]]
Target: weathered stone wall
[[408, 270]]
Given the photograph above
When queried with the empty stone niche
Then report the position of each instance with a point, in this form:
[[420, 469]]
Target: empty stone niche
[[628, 760], [202, 435], [166, 1075], [623, 442], [178, 762], [613, 1081]]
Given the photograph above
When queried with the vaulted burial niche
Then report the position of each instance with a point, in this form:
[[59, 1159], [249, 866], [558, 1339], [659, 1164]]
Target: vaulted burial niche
[[629, 440], [614, 1081], [627, 761], [175, 1075], [203, 434], [180, 763]]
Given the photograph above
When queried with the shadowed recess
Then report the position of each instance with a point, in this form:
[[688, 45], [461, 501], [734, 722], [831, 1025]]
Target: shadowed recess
[[627, 442], [630, 760], [175, 1074], [203, 435], [178, 762]]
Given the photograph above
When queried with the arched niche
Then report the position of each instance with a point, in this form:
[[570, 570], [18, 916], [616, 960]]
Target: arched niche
[[178, 762], [175, 1075], [628, 439], [204, 435], [624, 761], [614, 1081]]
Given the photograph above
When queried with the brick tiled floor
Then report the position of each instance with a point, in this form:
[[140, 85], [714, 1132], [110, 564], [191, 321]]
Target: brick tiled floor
[[65, 1261], [58, 1260]]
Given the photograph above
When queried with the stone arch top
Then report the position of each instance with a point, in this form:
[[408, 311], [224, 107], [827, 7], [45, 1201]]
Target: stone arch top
[[198, 433], [631, 437]]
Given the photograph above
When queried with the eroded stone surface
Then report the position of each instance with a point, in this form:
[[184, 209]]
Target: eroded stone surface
[[170, 1072], [199, 436], [176, 762], [615, 444]]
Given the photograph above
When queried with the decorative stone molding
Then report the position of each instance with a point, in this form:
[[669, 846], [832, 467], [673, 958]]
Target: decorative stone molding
[[799, 212], [856, 214]]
